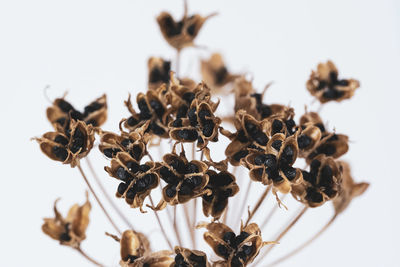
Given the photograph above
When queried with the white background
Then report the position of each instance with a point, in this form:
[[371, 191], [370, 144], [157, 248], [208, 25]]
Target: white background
[[91, 47]]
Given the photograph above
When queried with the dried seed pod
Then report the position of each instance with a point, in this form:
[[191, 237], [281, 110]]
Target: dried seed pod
[[153, 109], [159, 72], [321, 183], [134, 245], [308, 139], [236, 250], [331, 144], [215, 73], [70, 147], [249, 136], [94, 114], [274, 166], [281, 122], [325, 85], [187, 257], [181, 34], [222, 186], [312, 118], [185, 180], [349, 189], [70, 231], [137, 180]]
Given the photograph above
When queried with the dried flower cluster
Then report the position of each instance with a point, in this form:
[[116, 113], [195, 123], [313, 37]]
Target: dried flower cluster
[[266, 141]]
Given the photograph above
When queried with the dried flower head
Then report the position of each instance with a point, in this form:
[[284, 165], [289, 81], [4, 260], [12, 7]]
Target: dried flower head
[[133, 143], [325, 85], [321, 183], [62, 111], [137, 180], [249, 135], [159, 72], [274, 166], [186, 257], [156, 259], [181, 34], [200, 123], [70, 231], [134, 245], [222, 186], [215, 73], [308, 137], [153, 109], [68, 147], [236, 250], [349, 189], [185, 180]]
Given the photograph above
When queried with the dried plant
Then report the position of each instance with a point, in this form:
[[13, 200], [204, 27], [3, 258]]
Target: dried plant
[[266, 143]]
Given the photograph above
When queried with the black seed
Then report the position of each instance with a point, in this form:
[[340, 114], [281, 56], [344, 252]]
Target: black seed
[[220, 75], [192, 116], [260, 138], [136, 152], [65, 237], [196, 180], [290, 173], [108, 152], [334, 137], [61, 140], [76, 115], [230, 238], [144, 168], [77, 141], [122, 188], [290, 124], [208, 198], [222, 179], [303, 141], [265, 111], [60, 152], [321, 127], [235, 262], [247, 250], [192, 168], [307, 177], [182, 111], [125, 143], [240, 238], [186, 188], [200, 260], [92, 108], [168, 176], [314, 167], [188, 97], [330, 192], [332, 94], [131, 193], [273, 174], [122, 174], [222, 251], [157, 107], [277, 144], [179, 259], [140, 185], [313, 195], [257, 97], [171, 191], [333, 76], [203, 114], [65, 106], [149, 179], [156, 128], [270, 161], [251, 128], [177, 123], [241, 136], [260, 159], [287, 156], [277, 126], [200, 140], [156, 76], [188, 135], [132, 121], [191, 29], [321, 85], [61, 121], [326, 176], [239, 155], [145, 113], [208, 128], [342, 83], [132, 258], [327, 149]]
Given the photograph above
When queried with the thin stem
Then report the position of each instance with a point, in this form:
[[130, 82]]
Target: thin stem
[[177, 63], [225, 216], [281, 235], [107, 196], [160, 224], [189, 225], [271, 213], [259, 202], [244, 201], [88, 257], [178, 235], [98, 200], [305, 244], [194, 221]]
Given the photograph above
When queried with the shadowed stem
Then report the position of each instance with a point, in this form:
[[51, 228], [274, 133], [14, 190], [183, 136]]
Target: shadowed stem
[[106, 195], [98, 200], [189, 224], [88, 257], [178, 235], [259, 202], [177, 63], [160, 224], [271, 213], [305, 244], [281, 235], [194, 221]]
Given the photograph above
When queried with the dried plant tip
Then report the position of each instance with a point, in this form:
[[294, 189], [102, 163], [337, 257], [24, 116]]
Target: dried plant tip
[[325, 85], [187, 257], [70, 231], [159, 72], [134, 245]]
